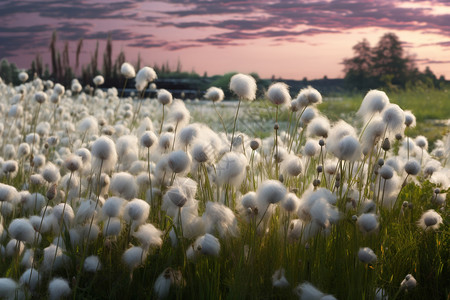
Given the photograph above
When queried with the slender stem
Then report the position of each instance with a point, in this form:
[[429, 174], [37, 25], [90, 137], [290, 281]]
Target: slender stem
[[234, 124], [220, 118], [162, 121]]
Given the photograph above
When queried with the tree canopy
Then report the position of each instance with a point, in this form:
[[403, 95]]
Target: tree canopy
[[384, 65]]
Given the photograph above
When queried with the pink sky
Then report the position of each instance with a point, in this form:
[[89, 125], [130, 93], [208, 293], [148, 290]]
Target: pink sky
[[287, 39]]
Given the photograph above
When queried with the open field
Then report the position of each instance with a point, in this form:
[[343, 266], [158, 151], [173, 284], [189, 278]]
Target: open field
[[123, 198]]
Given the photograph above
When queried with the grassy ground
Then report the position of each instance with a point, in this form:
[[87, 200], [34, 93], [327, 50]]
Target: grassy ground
[[431, 108]]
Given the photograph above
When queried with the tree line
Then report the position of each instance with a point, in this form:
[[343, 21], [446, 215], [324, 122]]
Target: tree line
[[386, 65]]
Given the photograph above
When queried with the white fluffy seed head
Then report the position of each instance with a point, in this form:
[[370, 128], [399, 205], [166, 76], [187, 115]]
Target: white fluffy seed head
[[127, 70], [348, 149], [244, 86], [98, 80], [73, 162], [290, 203], [214, 94], [374, 102], [278, 94], [386, 172], [410, 119], [393, 117], [40, 97], [231, 169], [22, 230], [207, 245], [92, 264], [306, 291], [30, 278], [367, 223], [144, 76], [113, 207], [164, 97], [51, 173], [308, 115], [412, 167], [367, 256], [319, 126], [136, 211], [430, 220], [421, 142], [124, 185], [292, 165], [178, 161], [308, 96], [58, 288], [148, 139], [409, 283], [59, 89], [148, 235], [271, 191], [134, 257], [23, 76], [311, 148], [104, 150]]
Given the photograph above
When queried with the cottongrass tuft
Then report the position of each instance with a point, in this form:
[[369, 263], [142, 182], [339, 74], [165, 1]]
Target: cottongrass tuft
[[104, 152], [134, 257], [207, 245], [92, 264], [430, 220], [367, 223], [214, 94], [148, 138], [231, 169], [412, 167], [58, 288], [308, 96], [279, 280], [98, 80], [393, 117], [278, 94], [271, 192], [374, 102], [148, 235], [367, 256], [124, 185], [218, 217], [164, 97], [8, 289], [127, 70], [307, 291], [22, 230], [244, 86], [30, 278], [409, 283], [178, 161]]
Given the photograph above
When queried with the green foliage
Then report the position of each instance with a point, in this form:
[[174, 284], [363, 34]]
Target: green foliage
[[385, 65]]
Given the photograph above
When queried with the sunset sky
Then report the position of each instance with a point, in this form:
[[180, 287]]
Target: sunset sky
[[287, 39]]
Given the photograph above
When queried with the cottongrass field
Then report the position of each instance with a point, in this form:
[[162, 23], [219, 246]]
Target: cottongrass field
[[128, 198]]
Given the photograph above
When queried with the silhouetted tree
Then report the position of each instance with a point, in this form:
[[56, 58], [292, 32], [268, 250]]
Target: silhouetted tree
[[77, 58], [107, 60], [383, 65]]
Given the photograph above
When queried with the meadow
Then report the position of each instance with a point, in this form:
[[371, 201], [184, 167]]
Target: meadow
[[278, 198]]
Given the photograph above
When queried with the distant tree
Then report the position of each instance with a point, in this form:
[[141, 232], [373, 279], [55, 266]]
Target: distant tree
[[390, 60], [107, 60], [77, 57], [386, 64], [5, 71], [359, 69], [94, 62], [53, 55]]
